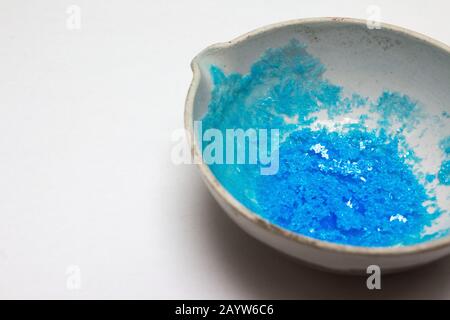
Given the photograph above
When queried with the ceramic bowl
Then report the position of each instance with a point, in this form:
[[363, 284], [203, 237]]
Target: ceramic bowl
[[367, 60]]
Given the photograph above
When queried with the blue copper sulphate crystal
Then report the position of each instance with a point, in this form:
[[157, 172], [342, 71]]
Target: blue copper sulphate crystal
[[360, 196], [341, 181]]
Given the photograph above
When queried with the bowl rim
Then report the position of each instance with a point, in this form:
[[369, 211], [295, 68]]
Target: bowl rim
[[253, 217]]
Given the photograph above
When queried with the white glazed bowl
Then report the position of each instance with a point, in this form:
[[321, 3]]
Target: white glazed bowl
[[366, 61]]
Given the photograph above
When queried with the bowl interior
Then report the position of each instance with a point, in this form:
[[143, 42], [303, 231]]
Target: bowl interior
[[360, 60]]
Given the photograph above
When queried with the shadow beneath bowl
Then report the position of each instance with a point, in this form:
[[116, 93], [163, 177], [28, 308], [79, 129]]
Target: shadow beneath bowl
[[264, 273]]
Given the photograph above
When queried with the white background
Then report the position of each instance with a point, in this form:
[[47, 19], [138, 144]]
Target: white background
[[86, 180]]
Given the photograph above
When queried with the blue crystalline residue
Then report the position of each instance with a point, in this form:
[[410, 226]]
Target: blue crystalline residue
[[445, 145], [394, 106], [444, 171], [351, 196], [284, 82], [351, 186]]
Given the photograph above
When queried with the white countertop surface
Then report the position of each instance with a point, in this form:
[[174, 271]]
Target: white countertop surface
[[91, 205]]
